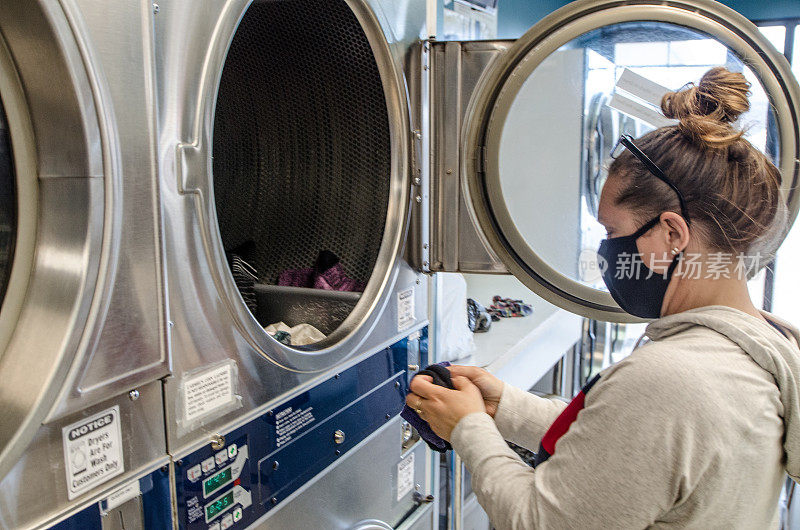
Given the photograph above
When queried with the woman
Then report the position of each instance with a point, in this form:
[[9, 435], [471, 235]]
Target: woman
[[697, 427]]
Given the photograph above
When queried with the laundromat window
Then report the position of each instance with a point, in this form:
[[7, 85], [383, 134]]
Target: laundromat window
[[796, 53], [785, 292], [776, 36], [301, 165], [8, 205]]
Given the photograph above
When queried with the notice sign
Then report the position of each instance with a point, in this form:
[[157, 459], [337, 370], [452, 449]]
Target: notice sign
[[405, 309], [92, 451], [207, 392]]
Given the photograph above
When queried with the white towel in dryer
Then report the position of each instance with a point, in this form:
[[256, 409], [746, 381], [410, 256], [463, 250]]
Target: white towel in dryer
[[302, 334]]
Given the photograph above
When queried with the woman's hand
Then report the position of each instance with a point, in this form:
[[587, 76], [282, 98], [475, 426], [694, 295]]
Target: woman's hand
[[441, 407], [491, 387]]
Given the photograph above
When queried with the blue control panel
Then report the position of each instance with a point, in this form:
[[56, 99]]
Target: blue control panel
[[268, 459]]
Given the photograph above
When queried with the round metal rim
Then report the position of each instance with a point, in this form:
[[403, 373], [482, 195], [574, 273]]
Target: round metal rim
[[499, 87], [38, 274], [344, 341], [24, 158]]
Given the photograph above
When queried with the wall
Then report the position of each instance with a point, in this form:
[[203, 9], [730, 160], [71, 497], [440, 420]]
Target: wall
[[516, 16]]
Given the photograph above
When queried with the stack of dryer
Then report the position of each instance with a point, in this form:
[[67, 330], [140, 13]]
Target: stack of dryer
[[82, 342], [284, 140], [154, 152]]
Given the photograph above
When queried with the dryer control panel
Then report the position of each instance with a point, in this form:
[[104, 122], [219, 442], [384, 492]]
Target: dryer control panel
[[266, 460], [217, 488]]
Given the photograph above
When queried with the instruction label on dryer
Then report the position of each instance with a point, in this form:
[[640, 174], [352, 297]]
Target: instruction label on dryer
[[405, 309], [92, 451], [207, 392], [291, 420], [405, 476]]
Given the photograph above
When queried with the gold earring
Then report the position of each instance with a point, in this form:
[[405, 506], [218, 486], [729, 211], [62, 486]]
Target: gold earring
[[675, 251]]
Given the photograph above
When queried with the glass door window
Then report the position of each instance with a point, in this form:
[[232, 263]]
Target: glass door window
[[541, 128], [586, 73]]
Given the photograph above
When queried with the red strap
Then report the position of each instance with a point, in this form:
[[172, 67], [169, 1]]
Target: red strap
[[562, 423], [565, 419]]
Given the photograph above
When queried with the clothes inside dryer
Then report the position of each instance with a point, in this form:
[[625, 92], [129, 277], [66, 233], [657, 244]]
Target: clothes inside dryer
[[301, 156], [8, 206]]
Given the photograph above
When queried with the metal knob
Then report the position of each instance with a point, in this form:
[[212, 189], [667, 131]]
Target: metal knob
[[338, 437], [217, 442], [407, 432]]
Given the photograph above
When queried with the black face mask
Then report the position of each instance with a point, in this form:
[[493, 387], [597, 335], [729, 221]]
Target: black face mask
[[626, 275]]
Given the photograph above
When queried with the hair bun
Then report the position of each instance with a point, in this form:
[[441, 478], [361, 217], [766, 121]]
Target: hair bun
[[707, 111]]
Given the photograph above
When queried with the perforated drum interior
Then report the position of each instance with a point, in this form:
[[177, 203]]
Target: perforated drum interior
[[8, 206], [301, 154]]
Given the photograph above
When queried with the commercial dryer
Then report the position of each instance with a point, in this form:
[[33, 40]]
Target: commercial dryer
[[297, 137], [284, 143], [81, 329]]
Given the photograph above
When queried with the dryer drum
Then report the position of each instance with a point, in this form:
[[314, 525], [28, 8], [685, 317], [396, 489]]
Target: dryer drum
[[8, 206], [301, 153]]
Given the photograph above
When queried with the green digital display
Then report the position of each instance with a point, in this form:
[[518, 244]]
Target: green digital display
[[214, 483], [219, 505]]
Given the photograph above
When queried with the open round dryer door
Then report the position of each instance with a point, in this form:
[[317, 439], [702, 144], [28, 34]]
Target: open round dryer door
[[308, 196], [543, 118]]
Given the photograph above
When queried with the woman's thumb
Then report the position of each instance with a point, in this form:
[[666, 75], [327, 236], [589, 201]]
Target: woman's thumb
[[470, 372], [461, 383]]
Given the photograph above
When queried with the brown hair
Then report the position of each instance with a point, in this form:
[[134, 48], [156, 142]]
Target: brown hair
[[731, 189]]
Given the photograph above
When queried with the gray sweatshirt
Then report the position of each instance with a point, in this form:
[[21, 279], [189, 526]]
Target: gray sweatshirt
[[695, 429]]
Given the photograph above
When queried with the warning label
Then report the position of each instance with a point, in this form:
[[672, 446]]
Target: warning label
[[289, 421], [207, 392], [405, 476], [405, 309], [92, 451]]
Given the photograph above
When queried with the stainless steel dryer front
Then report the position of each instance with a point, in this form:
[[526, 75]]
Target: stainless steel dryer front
[[284, 132], [81, 328]]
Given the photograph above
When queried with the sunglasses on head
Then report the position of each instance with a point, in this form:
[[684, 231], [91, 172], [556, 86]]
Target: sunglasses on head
[[626, 142]]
